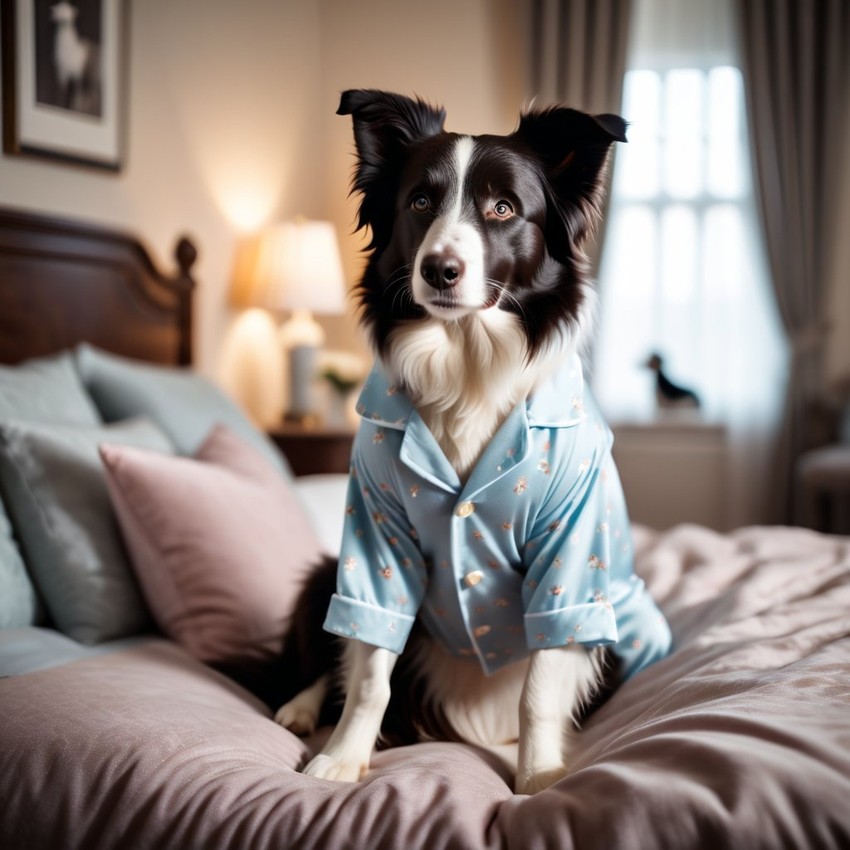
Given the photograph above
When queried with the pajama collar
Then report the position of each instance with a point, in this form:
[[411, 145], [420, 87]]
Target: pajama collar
[[557, 403]]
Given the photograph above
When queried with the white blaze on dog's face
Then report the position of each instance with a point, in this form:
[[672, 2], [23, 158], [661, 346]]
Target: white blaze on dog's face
[[449, 278], [469, 217], [469, 213]]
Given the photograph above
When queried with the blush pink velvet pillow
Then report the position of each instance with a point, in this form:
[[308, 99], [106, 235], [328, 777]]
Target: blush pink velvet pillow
[[218, 542]]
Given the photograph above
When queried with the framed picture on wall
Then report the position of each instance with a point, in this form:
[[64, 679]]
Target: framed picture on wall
[[64, 80]]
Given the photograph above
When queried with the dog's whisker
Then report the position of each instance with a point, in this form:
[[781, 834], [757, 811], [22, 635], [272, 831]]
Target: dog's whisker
[[398, 299], [399, 279], [399, 276], [504, 292], [402, 292], [401, 273]]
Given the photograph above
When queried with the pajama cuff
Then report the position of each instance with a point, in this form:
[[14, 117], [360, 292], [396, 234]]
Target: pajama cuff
[[368, 623], [593, 623]]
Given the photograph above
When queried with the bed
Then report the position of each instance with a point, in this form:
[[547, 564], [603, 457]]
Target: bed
[[123, 732]]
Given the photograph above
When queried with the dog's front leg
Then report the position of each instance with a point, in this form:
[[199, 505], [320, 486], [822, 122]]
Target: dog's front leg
[[556, 682], [346, 755]]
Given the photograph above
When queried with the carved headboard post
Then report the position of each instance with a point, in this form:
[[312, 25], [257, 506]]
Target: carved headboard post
[[185, 253]]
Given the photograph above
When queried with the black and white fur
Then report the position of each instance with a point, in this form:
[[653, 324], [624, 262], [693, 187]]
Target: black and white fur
[[475, 291]]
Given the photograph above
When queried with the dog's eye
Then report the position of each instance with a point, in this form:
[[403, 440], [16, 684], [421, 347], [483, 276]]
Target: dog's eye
[[420, 203], [502, 209]]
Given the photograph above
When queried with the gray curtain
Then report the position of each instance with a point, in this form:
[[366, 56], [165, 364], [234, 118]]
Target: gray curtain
[[796, 58], [579, 52]]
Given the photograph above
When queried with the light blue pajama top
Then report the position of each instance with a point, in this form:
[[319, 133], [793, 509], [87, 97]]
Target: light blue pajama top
[[533, 551]]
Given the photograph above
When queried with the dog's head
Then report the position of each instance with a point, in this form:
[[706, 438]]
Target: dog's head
[[461, 224]]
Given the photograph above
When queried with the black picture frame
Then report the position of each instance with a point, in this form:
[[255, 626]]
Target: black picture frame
[[65, 80]]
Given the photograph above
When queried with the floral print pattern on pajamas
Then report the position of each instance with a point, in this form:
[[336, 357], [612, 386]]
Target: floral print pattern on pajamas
[[532, 551]]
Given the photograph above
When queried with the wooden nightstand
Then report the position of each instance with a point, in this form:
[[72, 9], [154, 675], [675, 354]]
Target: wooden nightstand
[[313, 450]]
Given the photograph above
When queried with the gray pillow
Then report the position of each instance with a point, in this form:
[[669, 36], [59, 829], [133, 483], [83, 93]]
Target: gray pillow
[[55, 488], [19, 602], [184, 404], [46, 389]]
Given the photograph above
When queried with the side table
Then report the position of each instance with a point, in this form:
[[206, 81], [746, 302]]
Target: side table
[[311, 450]]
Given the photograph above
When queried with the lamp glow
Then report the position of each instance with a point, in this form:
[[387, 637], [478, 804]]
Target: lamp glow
[[293, 267]]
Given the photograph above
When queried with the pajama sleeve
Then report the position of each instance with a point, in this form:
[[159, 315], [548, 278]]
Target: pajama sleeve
[[566, 593], [580, 586], [381, 577], [575, 546]]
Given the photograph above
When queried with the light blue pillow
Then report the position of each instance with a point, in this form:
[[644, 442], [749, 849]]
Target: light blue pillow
[[184, 404], [19, 602], [46, 389], [54, 485]]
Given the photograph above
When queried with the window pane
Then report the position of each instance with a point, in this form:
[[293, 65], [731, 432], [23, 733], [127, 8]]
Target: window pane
[[683, 131], [637, 162], [629, 314], [725, 254], [633, 266], [725, 143], [678, 253]]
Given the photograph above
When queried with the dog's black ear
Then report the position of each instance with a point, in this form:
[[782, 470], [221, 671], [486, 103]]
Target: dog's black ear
[[385, 126], [572, 147]]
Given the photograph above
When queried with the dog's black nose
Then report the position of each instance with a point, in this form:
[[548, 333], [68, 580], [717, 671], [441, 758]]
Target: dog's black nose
[[443, 270]]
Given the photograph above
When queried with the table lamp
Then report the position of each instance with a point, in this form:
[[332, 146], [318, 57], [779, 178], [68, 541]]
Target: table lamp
[[293, 267]]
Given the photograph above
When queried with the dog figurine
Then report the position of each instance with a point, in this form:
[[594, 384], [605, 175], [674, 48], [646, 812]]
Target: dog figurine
[[483, 506]]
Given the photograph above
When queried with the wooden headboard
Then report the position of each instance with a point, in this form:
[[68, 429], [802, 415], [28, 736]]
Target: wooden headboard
[[64, 282]]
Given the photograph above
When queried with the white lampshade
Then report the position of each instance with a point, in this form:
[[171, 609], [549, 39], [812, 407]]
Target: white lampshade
[[291, 266]]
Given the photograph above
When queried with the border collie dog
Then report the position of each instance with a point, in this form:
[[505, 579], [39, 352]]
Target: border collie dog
[[485, 533]]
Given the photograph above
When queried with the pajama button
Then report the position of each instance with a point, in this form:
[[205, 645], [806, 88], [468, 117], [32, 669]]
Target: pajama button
[[473, 578], [465, 509]]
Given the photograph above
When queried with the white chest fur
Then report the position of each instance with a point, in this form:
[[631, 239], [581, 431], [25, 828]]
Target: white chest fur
[[464, 377]]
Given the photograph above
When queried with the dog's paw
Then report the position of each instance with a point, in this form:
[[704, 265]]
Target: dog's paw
[[328, 767], [534, 781], [297, 718]]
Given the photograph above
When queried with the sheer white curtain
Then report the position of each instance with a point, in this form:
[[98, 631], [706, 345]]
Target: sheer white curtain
[[683, 269]]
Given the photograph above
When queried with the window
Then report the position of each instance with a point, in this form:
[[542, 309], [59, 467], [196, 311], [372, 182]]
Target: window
[[682, 269]]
